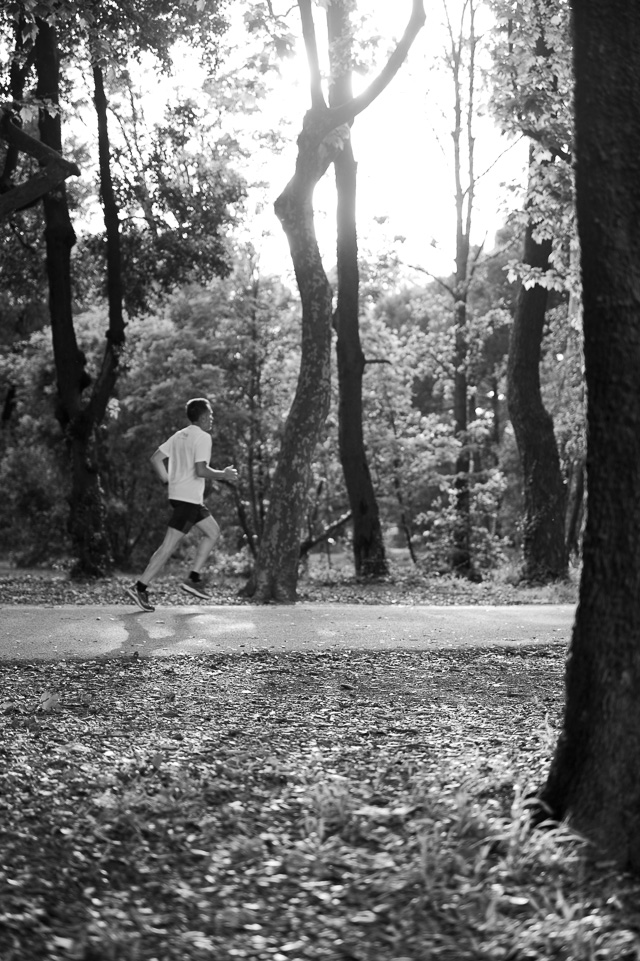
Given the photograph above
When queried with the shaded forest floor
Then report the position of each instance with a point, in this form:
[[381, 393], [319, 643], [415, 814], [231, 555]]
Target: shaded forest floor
[[320, 583], [331, 805]]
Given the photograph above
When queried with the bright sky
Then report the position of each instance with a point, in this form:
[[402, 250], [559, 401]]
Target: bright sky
[[402, 144]]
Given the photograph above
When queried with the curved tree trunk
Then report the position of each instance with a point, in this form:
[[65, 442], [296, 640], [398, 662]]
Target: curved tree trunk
[[368, 543], [545, 555], [276, 574], [324, 133], [595, 774]]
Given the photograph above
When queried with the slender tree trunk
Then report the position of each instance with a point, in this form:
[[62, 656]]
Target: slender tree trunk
[[461, 561], [103, 388], [461, 55], [545, 555], [368, 542], [594, 779], [87, 515], [116, 332]]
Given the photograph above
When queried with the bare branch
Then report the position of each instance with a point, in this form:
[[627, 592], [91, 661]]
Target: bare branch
[[438, 280], [476, 258], [554, 149], [499, 157]]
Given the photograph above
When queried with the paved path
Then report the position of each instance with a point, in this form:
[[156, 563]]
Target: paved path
[[55, 633]]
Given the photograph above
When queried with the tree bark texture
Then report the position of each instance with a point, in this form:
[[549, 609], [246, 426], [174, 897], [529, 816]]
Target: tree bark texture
[[323, 134], [462, 134], [545, 555], [87, 513], [461, 560], [368, 542], [594, 779], [106, 381], [54, 170], [276, 574]]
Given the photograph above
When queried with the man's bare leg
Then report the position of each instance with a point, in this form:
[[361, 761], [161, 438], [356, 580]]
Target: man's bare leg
[[210, 536], [171, 540]]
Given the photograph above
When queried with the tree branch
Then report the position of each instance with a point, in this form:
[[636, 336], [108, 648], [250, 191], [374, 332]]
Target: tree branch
[[55, 168], [311, 46], [554, 149], [310, 542], [438, 280], [14, 135], [346, 112]]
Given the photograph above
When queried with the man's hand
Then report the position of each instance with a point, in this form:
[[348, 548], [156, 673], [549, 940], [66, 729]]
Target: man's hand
[[230, 475]]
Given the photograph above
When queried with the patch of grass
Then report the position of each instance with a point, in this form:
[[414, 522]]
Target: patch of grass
[[351, 805]]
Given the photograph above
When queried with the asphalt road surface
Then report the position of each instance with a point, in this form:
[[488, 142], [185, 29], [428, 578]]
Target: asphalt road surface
[[57, 633]]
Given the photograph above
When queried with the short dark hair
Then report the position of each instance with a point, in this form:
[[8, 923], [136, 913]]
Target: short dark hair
[[196, 407]]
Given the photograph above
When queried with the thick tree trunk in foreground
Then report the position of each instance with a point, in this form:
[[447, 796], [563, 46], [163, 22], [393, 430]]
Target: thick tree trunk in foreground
[[87, 514], [595, 775], [545, 555], [368, 543]]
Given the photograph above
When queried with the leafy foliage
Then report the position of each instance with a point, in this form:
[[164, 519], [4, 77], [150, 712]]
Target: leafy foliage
[[178, 194], [532, 93]]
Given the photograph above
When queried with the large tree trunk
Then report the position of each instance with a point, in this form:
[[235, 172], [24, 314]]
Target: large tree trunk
[[87, 515], [545, 555], [276, 574], [595, 774], [368, 543]]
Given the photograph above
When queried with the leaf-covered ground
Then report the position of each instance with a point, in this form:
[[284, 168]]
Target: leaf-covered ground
[[302, 806], [336, 585], [352, 805]]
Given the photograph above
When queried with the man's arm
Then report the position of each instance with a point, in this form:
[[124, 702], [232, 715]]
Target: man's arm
[[229, 474], [160, 461]]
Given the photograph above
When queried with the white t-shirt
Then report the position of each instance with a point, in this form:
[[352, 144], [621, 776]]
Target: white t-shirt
[[185, 449]]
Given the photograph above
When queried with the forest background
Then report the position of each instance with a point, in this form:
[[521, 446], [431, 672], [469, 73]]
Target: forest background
[[474, 440], [180, 293]]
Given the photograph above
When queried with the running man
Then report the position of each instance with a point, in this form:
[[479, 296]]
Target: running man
[[182, 462]]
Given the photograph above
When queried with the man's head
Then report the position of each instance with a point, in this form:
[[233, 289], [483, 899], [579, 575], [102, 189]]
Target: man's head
[[197, 408]]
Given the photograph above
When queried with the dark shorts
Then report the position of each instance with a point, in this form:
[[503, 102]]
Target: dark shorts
[[185, 515]]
